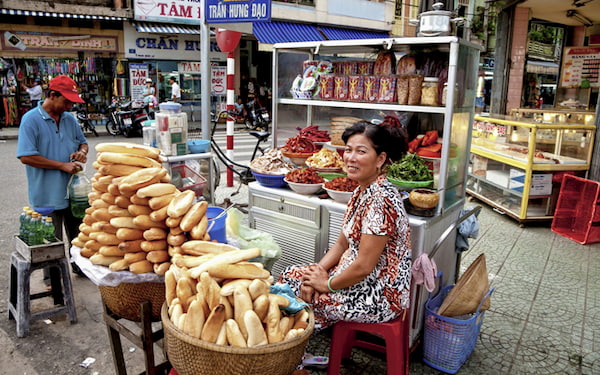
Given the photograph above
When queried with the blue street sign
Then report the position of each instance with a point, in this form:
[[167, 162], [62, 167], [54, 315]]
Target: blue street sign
[[230, 11]]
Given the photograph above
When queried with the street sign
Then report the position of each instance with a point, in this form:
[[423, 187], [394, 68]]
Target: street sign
[[219, 11]]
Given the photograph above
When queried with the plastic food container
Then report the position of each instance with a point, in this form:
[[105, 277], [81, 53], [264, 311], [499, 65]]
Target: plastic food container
[[429, 91], [172, 129]]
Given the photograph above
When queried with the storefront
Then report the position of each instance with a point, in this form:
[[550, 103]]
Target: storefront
[[85, 54], [172, 51]]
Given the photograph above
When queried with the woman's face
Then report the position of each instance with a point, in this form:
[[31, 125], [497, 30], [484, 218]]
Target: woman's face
[[362, 162]]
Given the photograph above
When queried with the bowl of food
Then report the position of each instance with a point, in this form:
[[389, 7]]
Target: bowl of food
[[326, 160], [304, 181], [269, 180], [340, 189], [298, 158]]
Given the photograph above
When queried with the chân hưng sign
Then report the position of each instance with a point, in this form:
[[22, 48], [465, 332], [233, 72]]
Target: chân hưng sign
[[230, 11]]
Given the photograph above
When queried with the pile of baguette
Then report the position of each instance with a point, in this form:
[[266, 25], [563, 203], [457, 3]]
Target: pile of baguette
[[137, 219], [221, 297]]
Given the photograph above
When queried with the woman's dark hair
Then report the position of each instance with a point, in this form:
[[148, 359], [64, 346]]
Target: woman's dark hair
[[391, 140]]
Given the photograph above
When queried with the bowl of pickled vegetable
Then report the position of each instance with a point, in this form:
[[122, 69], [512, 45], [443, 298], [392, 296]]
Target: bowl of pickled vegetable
[[304, 181], [340, 189], [410, 172]]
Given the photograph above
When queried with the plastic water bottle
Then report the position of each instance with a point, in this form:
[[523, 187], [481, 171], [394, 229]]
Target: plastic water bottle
[[22, 220], [78, 190], [48, 230], [36, 235], [27, 227]]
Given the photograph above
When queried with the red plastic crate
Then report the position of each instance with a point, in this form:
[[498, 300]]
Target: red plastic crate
[[577, 214], [195, 181]]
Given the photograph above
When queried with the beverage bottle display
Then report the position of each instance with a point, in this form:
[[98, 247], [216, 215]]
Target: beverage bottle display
[[22, 219], [78, 190], [48, 230], [27, 226]]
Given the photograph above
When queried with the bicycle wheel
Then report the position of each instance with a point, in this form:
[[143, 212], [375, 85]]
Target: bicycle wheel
[[111, 127], [216, 172]]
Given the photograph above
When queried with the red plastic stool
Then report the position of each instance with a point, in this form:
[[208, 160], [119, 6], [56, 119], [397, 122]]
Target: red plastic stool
[[395, 333]]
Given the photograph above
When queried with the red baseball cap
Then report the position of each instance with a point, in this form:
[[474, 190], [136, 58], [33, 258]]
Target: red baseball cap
[[67, 87]]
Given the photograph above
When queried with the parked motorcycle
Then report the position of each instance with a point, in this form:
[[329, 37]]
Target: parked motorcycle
[[257, 116], [85, 122], [126, 120]]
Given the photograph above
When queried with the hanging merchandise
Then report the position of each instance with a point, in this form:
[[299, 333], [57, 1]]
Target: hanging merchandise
[[120, 69]]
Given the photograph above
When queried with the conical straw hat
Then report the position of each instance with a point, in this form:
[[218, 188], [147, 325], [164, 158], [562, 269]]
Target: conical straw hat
[[468, 292]]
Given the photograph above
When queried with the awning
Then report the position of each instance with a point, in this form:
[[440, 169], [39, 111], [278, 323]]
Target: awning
[[542, 67], [336, 33], [18, 12], [284, 32], [165, 28]]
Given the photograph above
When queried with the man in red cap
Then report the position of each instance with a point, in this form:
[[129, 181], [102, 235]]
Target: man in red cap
[[53, 147]]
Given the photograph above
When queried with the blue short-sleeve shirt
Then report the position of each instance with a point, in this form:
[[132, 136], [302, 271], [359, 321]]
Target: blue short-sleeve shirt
[[39, 135]]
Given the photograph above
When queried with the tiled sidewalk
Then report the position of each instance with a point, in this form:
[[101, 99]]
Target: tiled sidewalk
[[545, 313]]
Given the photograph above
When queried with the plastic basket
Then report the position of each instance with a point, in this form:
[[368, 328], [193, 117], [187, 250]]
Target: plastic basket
[[448, 342], [192, 180]]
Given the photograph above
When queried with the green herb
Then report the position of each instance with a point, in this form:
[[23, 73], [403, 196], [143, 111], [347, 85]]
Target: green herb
[[410, 168]]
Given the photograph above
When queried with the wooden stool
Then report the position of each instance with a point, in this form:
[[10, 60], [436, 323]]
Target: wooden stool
[[20, 294], [144, 340]]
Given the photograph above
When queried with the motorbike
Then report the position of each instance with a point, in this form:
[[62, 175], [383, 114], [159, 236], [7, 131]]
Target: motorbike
[[85, 122], [125, 119], [257, 116]]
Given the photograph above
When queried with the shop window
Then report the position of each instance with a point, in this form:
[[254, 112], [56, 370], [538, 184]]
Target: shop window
[[15, 20]]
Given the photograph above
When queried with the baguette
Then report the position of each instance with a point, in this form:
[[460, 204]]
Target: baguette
[[185, 289], [122, 201], [156, 190], [293, 333], [157, 203], [78, 242], [117, 211], [241, 303], [161, 268], [106, 227], [229, 257], [174, 250], [172, 222], [256, 333], [124, 222], [199, 247], [181, 204], [131, 246], [146, 222], [257, 288], [213, 324], [159, 215], [261, 306], [158, 256], [280, 300], [190, 261], [134, 257], [154, 234], [229, 287], [99, 203], [301, 319], [129, 148], [103, 188], [111, 251], [108, 198], [118, 170], [113, 189], [93, 245], [87, 253], [101, 214], [176, 239], [273, 317], [87, 229], [199, 232], [143, 266], [141, 178], [222, 338], [193, 216], [228, 307], [108, 239], [119, 265], [234, 271], [139, 209], [285, 324], [234, 336], [127, 159], [102, 260], [128, 234], [139, 201], [176, 313], [195, 320], [170, 287], [210, 289], [103, 179], [175, 229], [149, 246]]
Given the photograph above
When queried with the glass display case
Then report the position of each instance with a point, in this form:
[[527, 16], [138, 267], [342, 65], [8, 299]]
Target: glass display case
[[517, 164], [555, 115]]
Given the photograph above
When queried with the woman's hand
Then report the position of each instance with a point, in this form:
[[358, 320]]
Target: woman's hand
[[307, 293], [316, 277]]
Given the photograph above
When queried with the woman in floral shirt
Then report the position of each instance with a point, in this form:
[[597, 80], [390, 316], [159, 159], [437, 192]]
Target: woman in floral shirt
[[365, 276]]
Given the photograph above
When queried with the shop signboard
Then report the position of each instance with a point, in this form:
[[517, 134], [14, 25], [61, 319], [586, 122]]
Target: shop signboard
[[153, 46], [219, 11], [218, 82], [138, 74], [58, 42], [580, 67], [172, 11]]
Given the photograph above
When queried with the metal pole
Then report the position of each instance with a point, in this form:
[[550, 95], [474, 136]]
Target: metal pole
[[230, 106], [205, 74]]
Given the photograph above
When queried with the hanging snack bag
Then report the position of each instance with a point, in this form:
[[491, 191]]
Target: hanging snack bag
[[340, 88], [387, 89], [327, 86], [402, 89], [364, 67], [371, 88], [355, 88]]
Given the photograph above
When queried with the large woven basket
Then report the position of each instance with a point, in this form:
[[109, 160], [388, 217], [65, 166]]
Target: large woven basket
[[125, 299], [191, 356]]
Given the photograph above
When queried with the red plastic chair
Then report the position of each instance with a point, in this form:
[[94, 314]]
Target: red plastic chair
[[395, 333]]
